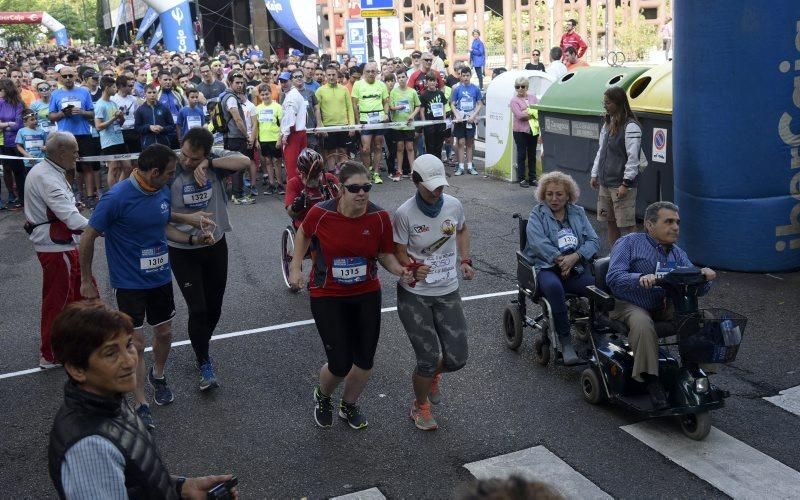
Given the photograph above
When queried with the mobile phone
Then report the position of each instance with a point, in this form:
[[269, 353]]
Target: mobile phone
[[222, 491]]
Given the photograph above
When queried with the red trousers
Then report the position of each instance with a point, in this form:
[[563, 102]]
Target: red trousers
[[297, 141], [61, 284]]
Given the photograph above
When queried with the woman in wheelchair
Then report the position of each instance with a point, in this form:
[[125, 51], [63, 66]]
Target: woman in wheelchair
[[309, 187], [561, 242]]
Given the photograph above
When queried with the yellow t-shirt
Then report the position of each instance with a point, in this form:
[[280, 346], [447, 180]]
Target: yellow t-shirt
[[269, 117]]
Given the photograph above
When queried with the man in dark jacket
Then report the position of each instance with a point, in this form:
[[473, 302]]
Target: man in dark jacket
[[154, 122], [99, 448]]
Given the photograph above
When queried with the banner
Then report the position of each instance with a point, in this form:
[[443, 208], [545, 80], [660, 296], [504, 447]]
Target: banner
[[176, 24], [123, 12], [149, 18], [157, 36], [298, 18], [58, 29], [357, 39]]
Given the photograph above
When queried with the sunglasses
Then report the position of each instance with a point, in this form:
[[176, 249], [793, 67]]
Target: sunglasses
[[356, 188], [536, 54], [298, 77], [67, 76], [428, 60], [43, 89], [520, 86]]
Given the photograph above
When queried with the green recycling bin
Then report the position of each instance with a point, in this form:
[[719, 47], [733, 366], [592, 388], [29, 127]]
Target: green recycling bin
[[651, 99], [570, 115]]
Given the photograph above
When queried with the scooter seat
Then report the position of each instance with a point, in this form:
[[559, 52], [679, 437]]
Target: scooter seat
[[663, 328]]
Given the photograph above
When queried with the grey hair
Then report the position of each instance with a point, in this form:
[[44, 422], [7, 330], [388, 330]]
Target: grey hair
[[522, 81], [57, 141], [651, 212]]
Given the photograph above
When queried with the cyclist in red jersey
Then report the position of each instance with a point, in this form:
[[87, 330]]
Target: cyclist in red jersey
[[351, 235], [309, 187]]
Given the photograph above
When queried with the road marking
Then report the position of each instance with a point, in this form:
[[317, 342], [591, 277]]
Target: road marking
[[789, 400], [370, 494], [723, 461], [271, 328], [538, 464]]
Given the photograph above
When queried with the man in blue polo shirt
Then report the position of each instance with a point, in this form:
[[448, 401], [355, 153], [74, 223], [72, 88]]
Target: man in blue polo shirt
[[133, 216], [466, 101]]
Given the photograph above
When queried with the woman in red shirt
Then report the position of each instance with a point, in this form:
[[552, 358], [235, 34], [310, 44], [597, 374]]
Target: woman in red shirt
[[350, 236]]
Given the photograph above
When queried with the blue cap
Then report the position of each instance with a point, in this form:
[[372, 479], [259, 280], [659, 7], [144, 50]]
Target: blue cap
[[285, 76], [296, 52]]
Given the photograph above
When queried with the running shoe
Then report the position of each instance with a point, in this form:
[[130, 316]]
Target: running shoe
[[459, 171], [352, 413], [161, 391], [434, 396], [264, 181], [323, 409], [146, 416], [395, 178], [524, 184], [253, 190], [235, 200], [207, 378], [376, 177], [421, 415], [46, 364], [472, 170], [281, 189]]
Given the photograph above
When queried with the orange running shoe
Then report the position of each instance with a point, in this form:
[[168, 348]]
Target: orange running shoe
[[421, 415]]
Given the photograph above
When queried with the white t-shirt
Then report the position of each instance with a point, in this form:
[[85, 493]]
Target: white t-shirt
[[249, 110], [431, 241], [129, 104]]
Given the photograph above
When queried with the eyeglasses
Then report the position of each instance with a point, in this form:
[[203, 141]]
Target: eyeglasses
[[428, 60], [67, 76], [536, 54], [297, 77], [42, 89], [356, 188], [520, 86]]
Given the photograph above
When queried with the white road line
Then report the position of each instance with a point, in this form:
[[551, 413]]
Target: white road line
[[789, 400], [538, 464], [370, 494], [728, 464], [271, 328]]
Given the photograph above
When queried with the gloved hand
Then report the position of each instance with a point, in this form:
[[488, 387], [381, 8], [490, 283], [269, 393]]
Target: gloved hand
[[299, 203]]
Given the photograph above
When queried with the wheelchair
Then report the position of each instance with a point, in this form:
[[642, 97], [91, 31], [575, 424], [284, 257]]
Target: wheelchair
[[546, 343], [287, 252]]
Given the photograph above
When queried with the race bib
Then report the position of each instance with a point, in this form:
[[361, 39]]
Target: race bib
[[567, 241], [193, 122], [153, 259], [349, 270], [75, 103], [469, 125], [31, 144], [443, 267], [664, 269], [174, 118], [437, 109], [266, 116], [406, 105], [195, 196], [374, 117], [467, 103]]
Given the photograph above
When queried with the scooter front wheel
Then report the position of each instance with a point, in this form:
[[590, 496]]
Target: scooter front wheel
[[591, 386], [696, 425], [512, 326]]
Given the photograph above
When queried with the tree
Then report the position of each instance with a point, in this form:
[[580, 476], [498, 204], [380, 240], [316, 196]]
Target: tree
[[76, 17]]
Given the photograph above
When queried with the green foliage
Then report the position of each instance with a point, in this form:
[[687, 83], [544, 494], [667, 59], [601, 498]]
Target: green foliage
[[635, 39], [76, 16]]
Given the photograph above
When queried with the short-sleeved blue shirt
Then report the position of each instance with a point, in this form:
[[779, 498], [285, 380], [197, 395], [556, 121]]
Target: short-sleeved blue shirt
[[112, 134], [466, 97], [78, 97], [134, 223], [33, 141], [190, 117]]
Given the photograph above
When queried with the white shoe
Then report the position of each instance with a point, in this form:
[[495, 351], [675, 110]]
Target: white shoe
[[459, 171], [472, 171]]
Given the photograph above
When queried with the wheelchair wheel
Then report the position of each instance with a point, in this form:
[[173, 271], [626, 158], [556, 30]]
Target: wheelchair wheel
[[541, 348], [287, 251], [512, 326], [591, 386], [696, 425]]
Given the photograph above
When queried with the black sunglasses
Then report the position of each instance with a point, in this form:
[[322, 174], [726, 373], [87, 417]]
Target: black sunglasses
[[298, 77], [43, 89], [536, 54], [355, 188], [520, 86], [428, 60]]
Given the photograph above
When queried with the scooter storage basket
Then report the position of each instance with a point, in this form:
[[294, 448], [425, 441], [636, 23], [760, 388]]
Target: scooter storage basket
[[710, 336]]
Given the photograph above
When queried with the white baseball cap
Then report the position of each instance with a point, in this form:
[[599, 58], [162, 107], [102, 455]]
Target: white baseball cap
[[431, 170]]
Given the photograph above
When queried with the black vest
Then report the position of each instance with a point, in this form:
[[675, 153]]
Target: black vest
[[84, 414], [613, 159]]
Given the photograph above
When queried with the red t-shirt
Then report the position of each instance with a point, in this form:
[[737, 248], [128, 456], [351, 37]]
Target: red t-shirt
[[345, 249], [417, 81], [313, 195]]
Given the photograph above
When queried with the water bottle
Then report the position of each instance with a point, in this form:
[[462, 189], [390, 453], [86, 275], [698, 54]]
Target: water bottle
[[731, 335]]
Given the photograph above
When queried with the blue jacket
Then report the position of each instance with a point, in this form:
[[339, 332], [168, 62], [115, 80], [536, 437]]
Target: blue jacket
[[477, 54], [156, 115], [542, 231]]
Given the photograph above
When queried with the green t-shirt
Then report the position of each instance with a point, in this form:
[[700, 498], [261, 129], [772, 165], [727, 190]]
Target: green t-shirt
[[407, 98], [370, 97], [269, 118], [335, 105]]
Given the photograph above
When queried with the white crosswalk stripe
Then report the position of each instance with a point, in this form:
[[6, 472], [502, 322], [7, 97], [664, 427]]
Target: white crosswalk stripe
[[723, 461], [538, 464], [789, 400], [370, 494]]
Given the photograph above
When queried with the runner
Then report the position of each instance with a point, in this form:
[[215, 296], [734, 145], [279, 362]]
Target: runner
[[350, 235], [133, 217], [201, 271], [371, 105], [430, 232]]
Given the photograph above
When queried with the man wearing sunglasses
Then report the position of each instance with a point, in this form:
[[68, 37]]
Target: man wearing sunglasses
[[417, 80], [41, 106]]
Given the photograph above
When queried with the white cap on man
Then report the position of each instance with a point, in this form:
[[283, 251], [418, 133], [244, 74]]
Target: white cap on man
[[431, 169]]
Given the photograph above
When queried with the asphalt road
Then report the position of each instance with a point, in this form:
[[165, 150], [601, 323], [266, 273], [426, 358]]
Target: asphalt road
[[259, 423]]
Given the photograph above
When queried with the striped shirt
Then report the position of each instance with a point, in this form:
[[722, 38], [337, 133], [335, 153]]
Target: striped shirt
[[635, 255], [94, 468]]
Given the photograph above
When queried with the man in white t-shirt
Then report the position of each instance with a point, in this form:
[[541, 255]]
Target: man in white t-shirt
[[556, 68], [432, 240]]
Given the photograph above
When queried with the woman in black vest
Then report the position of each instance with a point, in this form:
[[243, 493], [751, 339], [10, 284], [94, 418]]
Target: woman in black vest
[[616, 166], [99, 448]]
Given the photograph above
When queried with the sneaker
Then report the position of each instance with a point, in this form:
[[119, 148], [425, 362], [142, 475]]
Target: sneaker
[[421, 415], [281, 189], [271, 189], [459, 171], [352, 413], [264, 181], [434, 396], [253, 191], [406, 176], [323, 409], [395, 178], [235, 200], [376, 178], [146, 416], [524, 184], [207, 378], [162, 393], [46, 364], [472, 170], [533, 182], [248, 200]]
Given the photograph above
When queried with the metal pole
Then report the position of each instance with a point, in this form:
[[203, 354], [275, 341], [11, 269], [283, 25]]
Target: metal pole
[[380, 40]]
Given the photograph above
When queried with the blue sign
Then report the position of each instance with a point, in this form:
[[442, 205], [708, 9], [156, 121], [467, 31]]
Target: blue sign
[[176, 24], [357, 39], [61, 37], [149, 18], [377, 4]]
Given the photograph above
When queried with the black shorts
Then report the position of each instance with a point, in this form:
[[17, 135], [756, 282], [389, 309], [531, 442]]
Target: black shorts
[[349, 328], [270, 150], [460, 130], [403, 135], [157, 304], [132, 142], [336, 140], [239, 145], [116, 149], [88, 146]]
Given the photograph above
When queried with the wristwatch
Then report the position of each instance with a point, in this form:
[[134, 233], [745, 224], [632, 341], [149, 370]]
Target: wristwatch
[[627, 183], [179, 480], [210, 162]]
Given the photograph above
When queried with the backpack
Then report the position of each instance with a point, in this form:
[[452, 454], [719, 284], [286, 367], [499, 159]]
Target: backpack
[[219, 117]]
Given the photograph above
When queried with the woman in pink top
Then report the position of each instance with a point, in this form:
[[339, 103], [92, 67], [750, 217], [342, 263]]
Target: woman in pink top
[[524, 138]]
